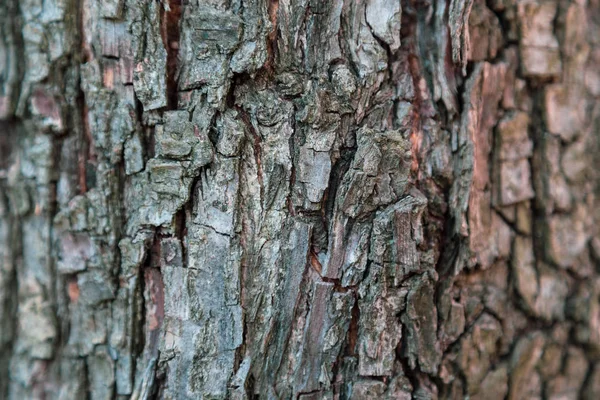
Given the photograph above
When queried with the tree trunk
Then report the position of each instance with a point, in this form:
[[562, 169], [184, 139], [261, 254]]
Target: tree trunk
[[299, 199]]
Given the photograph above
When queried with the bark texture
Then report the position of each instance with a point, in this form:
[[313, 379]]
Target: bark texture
[[299, 199]]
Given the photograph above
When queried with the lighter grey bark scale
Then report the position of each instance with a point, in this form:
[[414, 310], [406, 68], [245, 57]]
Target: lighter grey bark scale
[[299, 199]]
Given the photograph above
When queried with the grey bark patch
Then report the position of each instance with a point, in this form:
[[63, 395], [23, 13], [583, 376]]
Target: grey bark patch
[[282, 199]]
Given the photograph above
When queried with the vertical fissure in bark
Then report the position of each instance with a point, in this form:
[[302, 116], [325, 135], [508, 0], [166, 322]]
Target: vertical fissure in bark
[[86, 158], [154, 297], [272, 11], [170, 16], [338, 170], [12, 244], [255, 140], [216, 199]]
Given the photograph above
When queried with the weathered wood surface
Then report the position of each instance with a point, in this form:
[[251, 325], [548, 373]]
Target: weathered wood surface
[[345, 199]]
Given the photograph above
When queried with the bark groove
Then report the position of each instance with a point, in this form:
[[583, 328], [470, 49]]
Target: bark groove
[[299, 199]]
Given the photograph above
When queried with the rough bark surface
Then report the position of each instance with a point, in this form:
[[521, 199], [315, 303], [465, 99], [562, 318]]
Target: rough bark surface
[[299, 199]]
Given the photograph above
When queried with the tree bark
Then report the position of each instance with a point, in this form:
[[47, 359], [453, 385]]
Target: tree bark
[[344, 199]]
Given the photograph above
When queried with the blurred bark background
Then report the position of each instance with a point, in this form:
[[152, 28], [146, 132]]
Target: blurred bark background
[[307, 199]]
